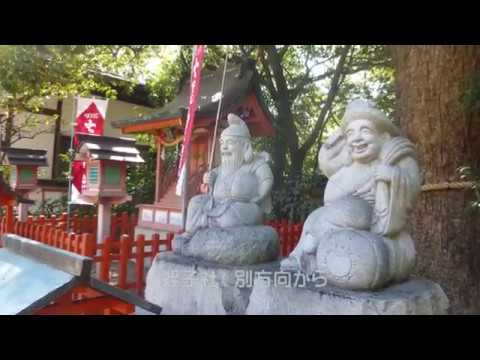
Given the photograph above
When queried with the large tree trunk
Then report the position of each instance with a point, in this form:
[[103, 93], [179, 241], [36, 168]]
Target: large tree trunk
[[296, 167], [431, 84], [279, 162]]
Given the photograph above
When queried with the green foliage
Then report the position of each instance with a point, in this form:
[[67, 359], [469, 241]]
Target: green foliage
[[141, 178], [59, 205], [468, 173], [175, 72], [32, 74], [296, 81], [304, 195]]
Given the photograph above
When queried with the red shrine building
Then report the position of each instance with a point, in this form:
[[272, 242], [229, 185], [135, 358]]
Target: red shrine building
[[241, 95]]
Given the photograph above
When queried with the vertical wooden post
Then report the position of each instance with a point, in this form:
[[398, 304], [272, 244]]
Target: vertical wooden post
[[139, 265], [124, 224], [90, 247], [76, 244], [42, 231], [70, 240], [93, 225], [53, 220], [125, 244], [63, 222], [158, 171], [104, 220], [105, 259], [59, 238], [155, 244], [30, 227], [74, 224], [185, 188], [169, 241], [36, 232], [9, 216]]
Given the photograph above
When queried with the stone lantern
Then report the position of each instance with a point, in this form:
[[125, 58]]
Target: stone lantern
[[24, 167], [24, 164], [106, 161]]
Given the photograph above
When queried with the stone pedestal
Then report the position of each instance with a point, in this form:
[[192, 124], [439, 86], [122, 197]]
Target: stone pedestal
[[239, 246], [186, 286], [413, 297]]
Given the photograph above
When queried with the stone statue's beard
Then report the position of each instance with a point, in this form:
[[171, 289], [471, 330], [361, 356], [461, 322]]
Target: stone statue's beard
[[231, 162]]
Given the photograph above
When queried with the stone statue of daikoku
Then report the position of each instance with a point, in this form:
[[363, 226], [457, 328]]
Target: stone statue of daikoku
[[358, 239], [239, 197]]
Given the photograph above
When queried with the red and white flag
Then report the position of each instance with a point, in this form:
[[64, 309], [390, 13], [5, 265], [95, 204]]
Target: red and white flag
[[90, 117], [192, 108]]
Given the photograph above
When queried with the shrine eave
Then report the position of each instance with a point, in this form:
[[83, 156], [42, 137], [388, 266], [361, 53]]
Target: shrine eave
[[240, 86], [18, 156]]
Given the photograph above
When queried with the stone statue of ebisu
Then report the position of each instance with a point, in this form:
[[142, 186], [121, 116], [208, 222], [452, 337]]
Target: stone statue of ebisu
[[358, 240], [225, 224]]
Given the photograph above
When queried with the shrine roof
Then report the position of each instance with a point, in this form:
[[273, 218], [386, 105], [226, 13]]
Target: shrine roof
[[48, 273], [109, 148], [240, 81], [17, 156]]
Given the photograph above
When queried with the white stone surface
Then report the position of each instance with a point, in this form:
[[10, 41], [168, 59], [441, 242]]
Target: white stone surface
[[358, 240], [239, 196], [413, 297], [185, 286], [242, 245]]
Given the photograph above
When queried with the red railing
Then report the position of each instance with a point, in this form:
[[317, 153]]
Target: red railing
[[289, 234], [120, 224], [118, 250], [113, 256], [121, 252]]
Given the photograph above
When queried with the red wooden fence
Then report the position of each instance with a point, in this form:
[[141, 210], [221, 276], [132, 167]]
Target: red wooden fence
[[110, 255], [118, 250], [120, 224], [289, 234]]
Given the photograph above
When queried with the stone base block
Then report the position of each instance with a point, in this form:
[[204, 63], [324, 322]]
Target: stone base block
[[239, 246], [186, 286], [413, 297]]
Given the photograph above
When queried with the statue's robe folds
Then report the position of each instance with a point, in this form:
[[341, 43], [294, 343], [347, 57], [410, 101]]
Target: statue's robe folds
[[376, 207], [231, 202]]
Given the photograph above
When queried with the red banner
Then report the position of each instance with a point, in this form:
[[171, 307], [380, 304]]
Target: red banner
[[192, 108], [90, 117], [89, 121]]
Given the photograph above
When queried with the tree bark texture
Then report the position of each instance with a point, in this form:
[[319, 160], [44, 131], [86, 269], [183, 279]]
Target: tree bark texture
[[431, 84]]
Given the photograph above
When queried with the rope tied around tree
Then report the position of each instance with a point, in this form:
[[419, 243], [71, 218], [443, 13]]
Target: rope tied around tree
[[454, 185]]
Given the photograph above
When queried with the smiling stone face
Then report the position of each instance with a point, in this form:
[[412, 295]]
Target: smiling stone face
[[364, 140]]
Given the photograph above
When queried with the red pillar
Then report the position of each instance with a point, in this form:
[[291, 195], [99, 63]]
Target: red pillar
[[9, 217], [158, 171]]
